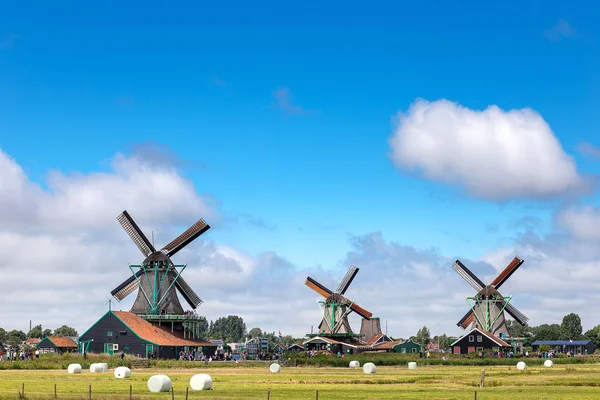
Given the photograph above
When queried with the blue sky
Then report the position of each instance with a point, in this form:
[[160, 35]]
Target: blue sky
[[283, 112]]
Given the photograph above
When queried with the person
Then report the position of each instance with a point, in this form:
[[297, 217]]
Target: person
[[84, 354], [37, 354]]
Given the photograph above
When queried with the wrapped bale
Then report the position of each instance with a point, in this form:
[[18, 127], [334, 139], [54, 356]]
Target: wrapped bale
[[99, 367], [521, 365], [548, 363], [354, 364], [74, 368], [122, 372], [201, 382], [159, 383], [412, 365], [275, 368], [369, 368]]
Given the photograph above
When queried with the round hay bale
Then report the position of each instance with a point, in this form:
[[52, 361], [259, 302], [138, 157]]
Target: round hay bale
[[74, 368], [521, 365], [122, 372], [354, 364], [412, 365], [201, 382], [99, 367], [369, 368], [275, 368], [548, 363], [159, 383]]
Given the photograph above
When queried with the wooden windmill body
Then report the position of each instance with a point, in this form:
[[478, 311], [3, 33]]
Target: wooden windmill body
[[488, 305], [336, 308]]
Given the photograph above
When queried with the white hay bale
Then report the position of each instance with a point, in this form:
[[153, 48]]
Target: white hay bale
[[412, 365], [521, 365], [369, 368], [548, 363], [201, 382], [74, 368], [99, 367], [354, 364], [275, 368], [159, 383], [122, 372]]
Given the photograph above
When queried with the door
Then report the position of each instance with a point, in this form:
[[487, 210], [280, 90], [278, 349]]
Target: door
[[149, 350], [108, 349], [456, 349]]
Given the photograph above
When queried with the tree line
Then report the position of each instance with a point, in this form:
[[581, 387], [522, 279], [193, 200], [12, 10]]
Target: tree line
[[15, 337]]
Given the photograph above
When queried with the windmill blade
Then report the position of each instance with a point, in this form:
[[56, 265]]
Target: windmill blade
[[186, 238], [188, 293], [361, 311], [345, 283], [466, 320], [317, 287], [136, 234], [468, 276], [508, 271], [128, 286], [516, 314]]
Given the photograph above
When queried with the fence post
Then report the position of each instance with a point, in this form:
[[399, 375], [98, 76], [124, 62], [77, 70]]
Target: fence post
[[90, 393], [186, 392], [55, 390], [268, 395], [317, 395], [23, 389], [482, 383], [130, 392], [172, 393], [476, 395]]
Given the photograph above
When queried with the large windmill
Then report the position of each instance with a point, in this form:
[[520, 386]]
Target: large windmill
[[157, 276], [336, 307], [488, 305]]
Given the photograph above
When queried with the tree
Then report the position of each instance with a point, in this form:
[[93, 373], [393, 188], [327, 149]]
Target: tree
[[570, 328], [547, 332], [35, 332], [593, 335], [423, 336], [254, 332], [65, 331], [47, 332], [544, 348], [14, 338], [230, 329], [516, 330]]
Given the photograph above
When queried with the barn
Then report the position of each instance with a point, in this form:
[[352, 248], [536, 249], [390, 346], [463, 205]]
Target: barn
[[408, 346], [479, 340], [124, 331], [56, 344]]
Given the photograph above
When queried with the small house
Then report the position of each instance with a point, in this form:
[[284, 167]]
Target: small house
[[124, 331], [408, 346], [478, 340], [57, 344], [295, 347]]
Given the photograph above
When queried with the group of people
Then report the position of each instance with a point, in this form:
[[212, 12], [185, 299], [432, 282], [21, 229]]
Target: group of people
[[12, 355]]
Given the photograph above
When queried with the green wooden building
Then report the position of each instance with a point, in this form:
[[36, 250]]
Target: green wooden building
[[408, 347]]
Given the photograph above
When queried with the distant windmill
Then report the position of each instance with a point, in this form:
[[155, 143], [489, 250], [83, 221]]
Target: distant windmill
[[157, 276], [488, 305], [336, 306]]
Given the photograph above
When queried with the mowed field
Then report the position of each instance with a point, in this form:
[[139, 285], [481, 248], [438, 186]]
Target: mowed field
[[427, 382]]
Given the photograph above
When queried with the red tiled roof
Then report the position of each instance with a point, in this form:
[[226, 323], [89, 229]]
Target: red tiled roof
[[62, 341], [388, 345], [153, 334], [375, 338], [33, 340]]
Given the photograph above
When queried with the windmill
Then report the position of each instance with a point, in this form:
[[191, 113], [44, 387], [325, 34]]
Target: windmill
[[488, 305], [157, 276], [336, 306]]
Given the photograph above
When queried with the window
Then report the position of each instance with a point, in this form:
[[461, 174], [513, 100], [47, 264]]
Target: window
[[127, 349], [480, 349], [456, 349], [109, 333], [123, 333], [414, 350], [471, 338], [403, 350], [479, 339]]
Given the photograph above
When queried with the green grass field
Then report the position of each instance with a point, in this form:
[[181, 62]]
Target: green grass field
[[571, 382]]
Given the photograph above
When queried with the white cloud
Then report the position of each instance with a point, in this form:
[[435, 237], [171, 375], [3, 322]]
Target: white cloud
[[492, 154], [583, 223]]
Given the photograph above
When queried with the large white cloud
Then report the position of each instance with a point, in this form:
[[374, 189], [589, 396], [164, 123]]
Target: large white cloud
[[493, 154]]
